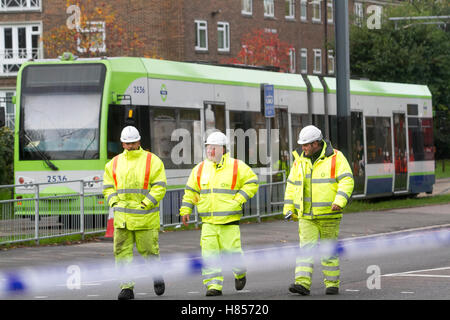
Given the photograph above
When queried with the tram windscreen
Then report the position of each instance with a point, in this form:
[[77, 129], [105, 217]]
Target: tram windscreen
[[60, 111]]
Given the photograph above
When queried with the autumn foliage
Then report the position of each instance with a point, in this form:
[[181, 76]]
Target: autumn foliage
[[262, 48], [94, 29]]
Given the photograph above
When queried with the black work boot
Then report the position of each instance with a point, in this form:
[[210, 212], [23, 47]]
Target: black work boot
[[298, 288], [213, 293], [239, 284], [159, 286], [126, 294], [332, 290]]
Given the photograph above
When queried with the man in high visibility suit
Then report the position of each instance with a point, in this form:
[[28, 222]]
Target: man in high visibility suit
[[318, 188], [134, 183], [219, 186]]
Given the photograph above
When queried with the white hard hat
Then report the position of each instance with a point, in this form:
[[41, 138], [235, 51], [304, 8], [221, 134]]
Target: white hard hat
[[217, 138], [309, 134], [130, 134]]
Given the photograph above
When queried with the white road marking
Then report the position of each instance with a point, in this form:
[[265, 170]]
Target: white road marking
[[414, 273], [351, 290]]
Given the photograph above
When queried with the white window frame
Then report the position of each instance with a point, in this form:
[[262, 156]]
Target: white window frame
[[247, 7], [304, 57], [330, 8], [317, 67], [15, 56], [93, 27], [304, 10], [269, 8], [292, 64], [223, 27], [330, 62], [21, 5], [359, 13], [9, 116], [291, 9], [316, 9], [201, 26]]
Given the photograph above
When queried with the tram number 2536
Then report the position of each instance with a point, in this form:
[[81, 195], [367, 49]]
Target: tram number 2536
[[57, 178]]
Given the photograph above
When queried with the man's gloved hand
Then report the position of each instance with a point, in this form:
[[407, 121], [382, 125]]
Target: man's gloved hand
[[288, 216]]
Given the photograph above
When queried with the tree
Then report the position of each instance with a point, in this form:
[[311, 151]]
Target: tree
[[409, 51], [261, 48], [93, 28]]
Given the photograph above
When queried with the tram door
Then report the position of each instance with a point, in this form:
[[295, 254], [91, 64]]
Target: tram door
[[401, 164], [358, 158]]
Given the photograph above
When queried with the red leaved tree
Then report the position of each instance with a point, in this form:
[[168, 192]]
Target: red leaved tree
[[262, 48]]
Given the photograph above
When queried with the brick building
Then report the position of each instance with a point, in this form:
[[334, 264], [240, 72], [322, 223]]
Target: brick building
[[182, 30]]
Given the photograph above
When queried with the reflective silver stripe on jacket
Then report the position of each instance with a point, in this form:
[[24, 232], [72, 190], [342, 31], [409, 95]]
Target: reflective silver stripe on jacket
[[110, 196], [191, 189], [136, 211], [348, 174], [107, 186], [187, 204], [252, 181], [342, 193], [135, 191], [326, 180], [296, 183], [321, 204], [152, 199], [219, 213], [214, 190], [160, 183], [244, 194]]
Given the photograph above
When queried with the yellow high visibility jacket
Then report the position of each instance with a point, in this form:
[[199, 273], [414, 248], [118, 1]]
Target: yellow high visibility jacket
[[312, 189], [219, 190], [130, 179]]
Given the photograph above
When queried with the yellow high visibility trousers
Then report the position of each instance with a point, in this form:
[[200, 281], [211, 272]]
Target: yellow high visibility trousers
[[147, 244], [310, 231], [216, 240]]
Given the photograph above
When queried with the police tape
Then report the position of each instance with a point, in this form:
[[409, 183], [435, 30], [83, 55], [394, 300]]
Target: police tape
[[176, 266]]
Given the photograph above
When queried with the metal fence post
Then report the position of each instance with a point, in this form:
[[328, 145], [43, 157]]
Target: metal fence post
[[82, 209], [161, 214], [36, 214], [258, 209]]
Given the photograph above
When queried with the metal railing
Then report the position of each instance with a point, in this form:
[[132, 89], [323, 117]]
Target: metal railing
[[39, 213]]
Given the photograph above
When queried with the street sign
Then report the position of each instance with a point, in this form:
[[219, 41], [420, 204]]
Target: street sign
[[269, 105]]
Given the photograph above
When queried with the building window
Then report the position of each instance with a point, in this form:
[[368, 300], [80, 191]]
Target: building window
[[223, 36], [18, 44], [330, 11], [292, 65], [269, 8], [20, 5], [304, 10], [359, 13], [316, 11], [247, 7], [304, 60], [201, 35], [330, 58], [290, 9], [317, 61], [92, 38]]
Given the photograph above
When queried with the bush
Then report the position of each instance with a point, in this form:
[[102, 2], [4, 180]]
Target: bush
[[6, 156]]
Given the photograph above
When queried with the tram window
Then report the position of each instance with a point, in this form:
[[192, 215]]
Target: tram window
[[379, 140], [420, 133], [298, 121], [319, 122], [332, 121], [163, 123], [215, 117], [250, 123], [413, 109]]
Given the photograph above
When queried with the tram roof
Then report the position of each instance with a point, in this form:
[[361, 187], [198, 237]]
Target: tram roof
[[378, 88], [193, 72]]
